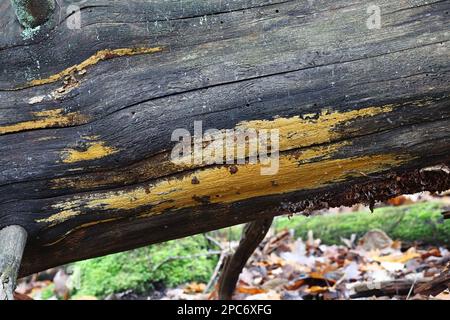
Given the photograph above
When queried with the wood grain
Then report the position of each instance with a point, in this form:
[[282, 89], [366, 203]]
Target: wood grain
[[86, 115]]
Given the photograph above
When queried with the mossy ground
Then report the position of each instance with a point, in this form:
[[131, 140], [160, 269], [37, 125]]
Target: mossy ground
[[421, 222], [140, 269]]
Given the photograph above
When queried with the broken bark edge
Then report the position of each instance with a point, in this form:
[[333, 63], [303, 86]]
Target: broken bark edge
[[12, 245]]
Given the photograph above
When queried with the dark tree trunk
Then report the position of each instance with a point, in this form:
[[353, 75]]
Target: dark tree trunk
[[86, 115]]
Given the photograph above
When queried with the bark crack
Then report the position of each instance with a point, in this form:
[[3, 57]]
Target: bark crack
[[191, 170]]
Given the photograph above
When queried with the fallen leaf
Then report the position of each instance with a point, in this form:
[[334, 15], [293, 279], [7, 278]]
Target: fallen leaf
[[316, 290], [20, 296], [271, 295], [194, 287], [274, 283], [398, 257], [250, 290], [399, 201], [433, 252]]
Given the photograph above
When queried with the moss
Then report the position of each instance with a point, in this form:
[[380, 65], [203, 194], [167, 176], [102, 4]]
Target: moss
[[23, 15], [419, 222], [26, 18], [29, 33], [48, 292], [140, 269]]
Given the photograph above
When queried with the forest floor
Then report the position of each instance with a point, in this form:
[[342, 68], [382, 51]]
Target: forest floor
[[311, 259]]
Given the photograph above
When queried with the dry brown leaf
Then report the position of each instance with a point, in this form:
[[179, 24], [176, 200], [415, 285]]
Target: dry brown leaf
[[316, 290], [398, 257], [433, 252], [399, 201], [21, 297], [250, 290], [313, 279], [194, 287], [296, 285]]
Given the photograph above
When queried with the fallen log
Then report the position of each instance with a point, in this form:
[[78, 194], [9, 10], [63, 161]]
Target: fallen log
[[437, 284], [89, 101], [398, 287]]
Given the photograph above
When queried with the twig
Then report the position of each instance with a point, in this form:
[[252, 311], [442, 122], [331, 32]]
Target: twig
[[252, 235], [411, 289], [214, 241], [216, 271]]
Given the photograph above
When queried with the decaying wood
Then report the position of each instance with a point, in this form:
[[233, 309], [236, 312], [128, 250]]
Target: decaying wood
[[86, 115], [398, 287], [437, 284], [252, 235], [12, 244], [426, 286]]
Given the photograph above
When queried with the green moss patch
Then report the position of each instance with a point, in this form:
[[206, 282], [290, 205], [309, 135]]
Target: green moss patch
[[419, 222], [172, 263]]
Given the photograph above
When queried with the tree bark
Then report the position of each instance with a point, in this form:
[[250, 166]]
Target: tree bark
[[437, 285], [86, 115], [397, 287], [12, 244]]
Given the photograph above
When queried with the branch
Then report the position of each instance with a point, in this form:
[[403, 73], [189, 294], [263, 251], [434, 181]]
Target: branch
[[252, 235], [12, 244], [436, 285], [216, 271], [33, 13]]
